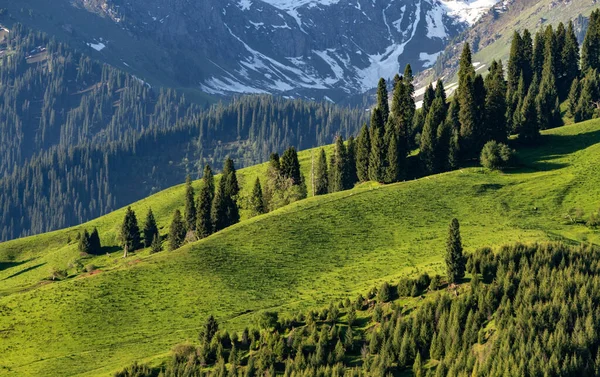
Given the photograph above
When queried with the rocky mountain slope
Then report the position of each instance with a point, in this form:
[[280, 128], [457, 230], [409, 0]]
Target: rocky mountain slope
[[310, 48]]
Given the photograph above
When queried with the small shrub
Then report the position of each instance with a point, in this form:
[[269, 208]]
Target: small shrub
[[384, 293], [90, 268], [423, 281], [405, 287], [496, 156], [436, 283]]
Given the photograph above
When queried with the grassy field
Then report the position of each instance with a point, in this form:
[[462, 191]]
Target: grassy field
[[304, 255]]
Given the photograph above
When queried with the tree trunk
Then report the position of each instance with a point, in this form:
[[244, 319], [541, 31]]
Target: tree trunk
[[125, 251]]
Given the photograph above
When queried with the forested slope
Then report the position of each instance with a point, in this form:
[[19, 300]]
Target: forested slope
[[301, 256], [81, 139]]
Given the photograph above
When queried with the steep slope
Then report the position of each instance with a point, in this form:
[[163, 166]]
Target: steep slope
[[314, 49], [306, 254], [491, 37]]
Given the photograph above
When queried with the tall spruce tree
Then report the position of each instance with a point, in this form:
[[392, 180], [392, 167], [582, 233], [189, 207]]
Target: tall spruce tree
[[479, 95], [378, 152], [570, 61], [129, 234], [527, 62], [453, 123], [204, 227], [190, 205], [257, 201], [150, 228], [406, 113], [177, 231], [351, 163], [321, 178], [392, 173], [428, 98], [382, 99], [590, 49], [218, 213], [443, 147], [290, 166], [232, 187], [363, 151], [515, 61], [538, 55], [529, 130], [84, 245], [455, 261], [440, 91], [338, 174], [468, 117], [573, 98], [434, 119], [547, 105], [465, 68], [590, 93], [495, 104]]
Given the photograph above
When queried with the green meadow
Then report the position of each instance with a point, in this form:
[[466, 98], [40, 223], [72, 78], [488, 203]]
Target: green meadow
[[301, 256]]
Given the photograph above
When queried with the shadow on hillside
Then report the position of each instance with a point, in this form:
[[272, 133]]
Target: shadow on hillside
[[24, 271], [552, 147], [7, 265]]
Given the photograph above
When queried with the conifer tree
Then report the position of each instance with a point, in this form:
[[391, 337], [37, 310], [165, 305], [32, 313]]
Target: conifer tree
[[321, 178], [150, 228], [570, 61], [440, 91], [274, 161], [156, 245], [129, 234], [418, 366], [573, 98], [363, 151], [84, 243], [547, 99], [465, 68], [176, 231], [560, 38], [515, 61], [590, 49], [467, 117], [495, 104], [338, 174], [455, 261], [95, 245], [351, 161], [529, 130], [453, 123], [590, 92], [257, 202], [232, 187], [378, 152], [428, 98], [407, 108], [290, 166], [382, 99], [204, 227], [392, 173], [538, 55], [218, 213], [527, 62], [434, 119], [479, 95], [190, 205]]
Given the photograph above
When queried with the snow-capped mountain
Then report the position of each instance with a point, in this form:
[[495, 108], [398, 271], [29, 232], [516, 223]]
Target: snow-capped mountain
[[313, 48]]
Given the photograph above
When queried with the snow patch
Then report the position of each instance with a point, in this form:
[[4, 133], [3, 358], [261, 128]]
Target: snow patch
[[469, 11], [428, 59], [97, 46], [244, 4]]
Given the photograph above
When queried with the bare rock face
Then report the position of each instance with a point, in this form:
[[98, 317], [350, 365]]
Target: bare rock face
[[311, 48]]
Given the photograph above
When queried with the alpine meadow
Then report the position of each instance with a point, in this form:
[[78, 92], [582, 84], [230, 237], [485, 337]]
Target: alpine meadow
[[300, 189]]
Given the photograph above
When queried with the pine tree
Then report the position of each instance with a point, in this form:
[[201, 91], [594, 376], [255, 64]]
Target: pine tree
[[455, 261], [95, 245], [338, 174], [363, 151], [465, 68], [479, 95], [529, 130], [418, 366], [129, 234], [382, 99], [218, 213], [204, 226], [538, 55], [232, 187], [440, 91], [84, 243], [351, 162], [590, 92], [443, 159], [547, 99], [321, 178], [274, 161], [176, 231], [150, 228], [290, 166], [407, 109], [570, 61], [436, 116], [495, 104], [378, 153], [467, 117], [257, 202], [573, 98], [590, 49], [453, 123], [392, 173], [156, 245], [190, 205], [428, 98], [515, 61], [527, 62]]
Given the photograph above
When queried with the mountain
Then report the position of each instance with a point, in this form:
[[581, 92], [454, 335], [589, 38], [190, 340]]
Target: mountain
[[314, 49], [298, 258]]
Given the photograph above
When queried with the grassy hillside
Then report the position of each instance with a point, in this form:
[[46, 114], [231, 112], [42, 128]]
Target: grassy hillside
[[300, 256]]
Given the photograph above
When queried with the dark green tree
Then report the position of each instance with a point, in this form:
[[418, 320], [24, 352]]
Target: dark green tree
[[573, 98], [232, 188], [321, 175], [547, 102], [290, 166], [392, 172], [84, 243], [95, 245], [495, 104], [218, 213], [190, 205], [257, 202], [468, 117], [538, 55], [569, 61], [455, 261], [428, 98], [351, 163], [204, 226], [453, 123], [382, 99], [436, 116], [378, 152], [363, 151], [209, 330], [338, 173], [590, 49], [177, 231], [529, 131], [150, 228], [129, 234], [156, 244]]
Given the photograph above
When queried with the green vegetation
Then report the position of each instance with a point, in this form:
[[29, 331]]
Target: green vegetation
[[304, 255]]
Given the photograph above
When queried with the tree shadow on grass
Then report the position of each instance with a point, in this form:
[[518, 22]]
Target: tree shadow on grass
[[24, 271], [7, 265], [540, 157]]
